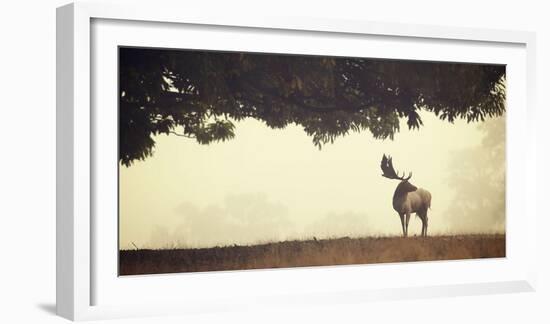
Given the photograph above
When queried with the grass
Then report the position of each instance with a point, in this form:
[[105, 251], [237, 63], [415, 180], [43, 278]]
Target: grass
[[312, 253]]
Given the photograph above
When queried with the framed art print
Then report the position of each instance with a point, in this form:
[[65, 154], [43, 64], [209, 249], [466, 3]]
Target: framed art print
[[238, 160], [217, 163]]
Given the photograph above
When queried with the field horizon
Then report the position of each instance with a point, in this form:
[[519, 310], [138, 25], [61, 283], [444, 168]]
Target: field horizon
[[312, 252]]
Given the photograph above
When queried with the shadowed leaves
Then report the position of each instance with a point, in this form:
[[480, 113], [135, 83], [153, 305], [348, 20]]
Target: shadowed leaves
[[200, 95]]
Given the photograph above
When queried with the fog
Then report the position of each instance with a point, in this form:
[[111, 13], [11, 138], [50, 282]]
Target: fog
[[270, 185]]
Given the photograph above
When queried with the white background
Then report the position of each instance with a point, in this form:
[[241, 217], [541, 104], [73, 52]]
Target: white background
[[27, 166]]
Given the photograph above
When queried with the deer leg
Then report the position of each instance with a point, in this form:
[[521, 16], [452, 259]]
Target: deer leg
[[407, 224], [423, 227], [402, 216], [426, 224]]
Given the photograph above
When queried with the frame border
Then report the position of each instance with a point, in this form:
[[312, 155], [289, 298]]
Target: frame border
[[73, 136]]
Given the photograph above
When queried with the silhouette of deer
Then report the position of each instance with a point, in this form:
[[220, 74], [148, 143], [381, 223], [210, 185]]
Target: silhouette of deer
[[407, 198]]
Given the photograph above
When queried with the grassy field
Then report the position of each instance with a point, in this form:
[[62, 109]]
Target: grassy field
[[312, 253]]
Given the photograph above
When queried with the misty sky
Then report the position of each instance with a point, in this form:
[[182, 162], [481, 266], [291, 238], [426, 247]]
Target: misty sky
[[268, 185]]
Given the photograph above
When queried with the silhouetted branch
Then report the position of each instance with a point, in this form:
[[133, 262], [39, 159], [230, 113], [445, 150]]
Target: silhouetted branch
[[182, 135]]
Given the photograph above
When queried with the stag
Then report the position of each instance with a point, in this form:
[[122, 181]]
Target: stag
[[407, 198]]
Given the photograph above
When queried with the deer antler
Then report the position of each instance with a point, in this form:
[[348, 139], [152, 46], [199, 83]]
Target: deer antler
[[389, 172]]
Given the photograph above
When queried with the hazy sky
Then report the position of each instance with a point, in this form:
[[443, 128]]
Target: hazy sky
[[267, 185]]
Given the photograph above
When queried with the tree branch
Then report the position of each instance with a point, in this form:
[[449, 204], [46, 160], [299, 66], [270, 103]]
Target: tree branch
[[182, 135]]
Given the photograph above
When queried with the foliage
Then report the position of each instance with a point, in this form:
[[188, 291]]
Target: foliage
[[199, 94]]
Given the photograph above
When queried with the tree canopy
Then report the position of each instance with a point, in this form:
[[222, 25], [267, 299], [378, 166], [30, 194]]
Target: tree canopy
[[200, 94]]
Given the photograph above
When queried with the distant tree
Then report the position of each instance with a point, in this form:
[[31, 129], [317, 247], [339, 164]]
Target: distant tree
[[199, 94], [478, 177]]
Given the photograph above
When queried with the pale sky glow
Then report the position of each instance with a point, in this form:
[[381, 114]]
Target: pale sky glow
[[269, 185]]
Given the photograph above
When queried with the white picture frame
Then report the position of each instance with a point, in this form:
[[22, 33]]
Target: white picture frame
[[77, 163]]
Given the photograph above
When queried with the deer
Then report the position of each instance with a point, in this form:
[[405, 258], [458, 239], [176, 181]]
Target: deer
[[407, 198]]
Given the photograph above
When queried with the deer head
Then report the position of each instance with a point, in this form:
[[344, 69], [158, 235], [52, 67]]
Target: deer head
[[389, 172]]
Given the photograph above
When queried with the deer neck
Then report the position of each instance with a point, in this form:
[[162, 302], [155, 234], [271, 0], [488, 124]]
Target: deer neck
[[399, 197]]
